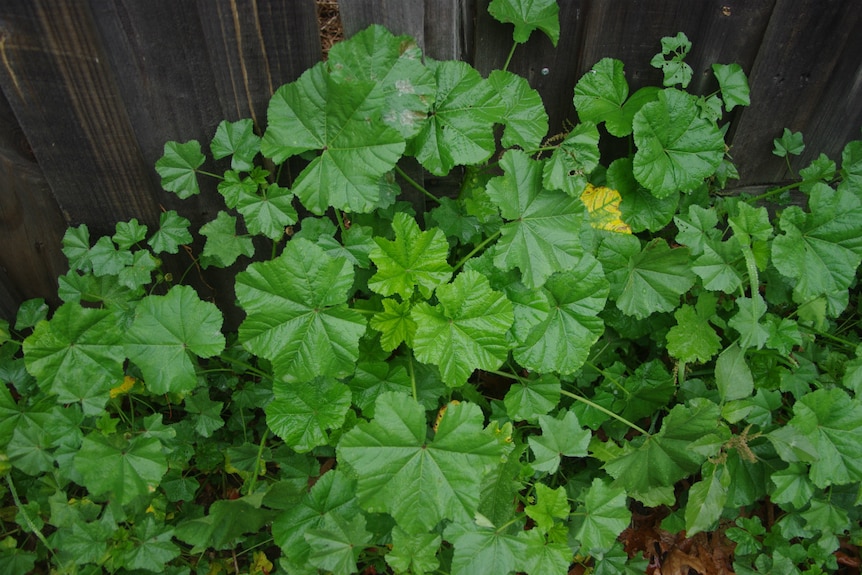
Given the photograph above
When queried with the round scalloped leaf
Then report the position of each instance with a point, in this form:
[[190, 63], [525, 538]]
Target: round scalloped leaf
[[302, 412], [528, 15], [178, 166]]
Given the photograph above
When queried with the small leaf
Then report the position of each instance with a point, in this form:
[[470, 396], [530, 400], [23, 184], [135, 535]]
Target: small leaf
[[465, 331], [790, 143], [733, 84], [139, 272], [732, 374], [601, 518], [528, 399], [603, 205], [223, 245], [178, 166], [30, 313], [154, 548], [106, 259], [528, 15], [670, 60], [394, 323], [268, 214], [225, 522], [205, 414], [337, 543], [655, 279], [692, 339], [747, 322], [172, 233], [302, 412], [129, 233], [484, 550], [561, 436], [600, 94], [550, 504], [76, 248], [706, 500], [237, 140], [573, 161]]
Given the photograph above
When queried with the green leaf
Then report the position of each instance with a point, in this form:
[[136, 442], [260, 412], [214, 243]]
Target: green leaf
[[129, 233], [316, 113], [747, 322], [336, 544], [126, 469], [403, 88], [460, 129], [525, 117], [640, 209], [76, 355], [697, 229], [168, 332], [821, 169], [832, 421], [297, 313], [648, 468], [692, 339], [655, 279], [483, 551], [706, 500], [733, 84], [357, 243], [792, 485], [417, 481], [732, 374], [268, 214], [373, 378], [451, 216], [551, 504], [561, 340], [237, 140], [600, 94], [30, 313], [154, 548], [822, 249], [82, 542], [561, 436], [601, 518], [465, 331], [500, 488], [414, 258], [205, 413], [677, 148], [394, 324], [670, 60], [573, 161], [789, 143], [526, 400], [178, 166], [528, 15], [718, 266], [140, 271], [76, 248], [223, 245], [302, 412], [226, 521], [541, 237], [413, 553], [106, 259], [172, 233], [544, 556]]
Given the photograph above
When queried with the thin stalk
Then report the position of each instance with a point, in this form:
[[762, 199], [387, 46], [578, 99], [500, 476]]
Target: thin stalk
[[412, 377], [509, 57], [774, 192], [416, 184], [609, 376], [253, 481], [604, 410], [27, 519], [479, 247], [751, 266], [340, 219], [210, 174]]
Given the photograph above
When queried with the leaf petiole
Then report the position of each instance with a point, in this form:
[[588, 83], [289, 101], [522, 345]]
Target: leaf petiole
[[416, 184], [605, 410], [509, 57], [479, 247]]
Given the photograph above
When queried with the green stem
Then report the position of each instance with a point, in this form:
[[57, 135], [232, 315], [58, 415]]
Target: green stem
[[509, 57], [210, 174], [774, 192], [27, 519], [604, 410], [609, 376], [479, 247], [416, 184], [412, 377], [751, 265], [253, 482], [340, 219]]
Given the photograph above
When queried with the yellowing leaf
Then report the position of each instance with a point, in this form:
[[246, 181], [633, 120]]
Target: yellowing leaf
[[125, 387], [261, 564], [442, 412], [603, 205]]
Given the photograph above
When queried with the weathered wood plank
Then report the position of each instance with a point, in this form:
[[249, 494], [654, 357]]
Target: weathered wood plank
[[805, 78], [399, 16]]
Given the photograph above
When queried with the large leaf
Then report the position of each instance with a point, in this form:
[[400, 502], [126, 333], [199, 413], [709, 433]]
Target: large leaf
[[356, 150], [414, 259], [460, 129], [821, 249], [298, 315], [525, 117], [561, 340], [482, 550], [167, 333], [600, 94], [402, 86], [302, 412], [77, 355], [677, 148], [417, 481], [655, 279], [541, 237], [649, 468], [528, 15], [466, 330], [124, 468]]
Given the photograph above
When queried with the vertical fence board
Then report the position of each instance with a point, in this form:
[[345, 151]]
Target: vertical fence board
[[807, 43]]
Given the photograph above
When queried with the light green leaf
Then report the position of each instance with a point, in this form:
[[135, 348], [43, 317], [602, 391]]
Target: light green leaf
[[561, 436], [373, 378], [573, 161], [460, 129], [751, 223], [792, 445], [205, 414], [356, 244], [697, 229], [788, 143], [30, 313], [500, 488], [792, 485], [417, 481], [76, 248], [237, 140], [316, 113], [550, 505], [234, 186], [451, 216], [747, 322], [77, 355], [718, 266], [465, 331], [129, 233], [153, 549], [394, 324], [733, 84], [223, 245], [732, 374], [832, 421], [600, 94], [525, 117], [106, 259], [297, 313], [827, 517], [706, 500], [541, 237], [655, 279], [167, 333], [268, 214], [336, 544], [414, 258], [648, 468], [402, 86], [526, 400], [140, 271], [178, 166], [172, 233], [676, 148], [543, 555], [640, 209], [415, 554], [670, 60], [692, 339], [483, 550], [601, 518], [126, 469], [302, 412], [561, 340], [82, 542], [528, 15]]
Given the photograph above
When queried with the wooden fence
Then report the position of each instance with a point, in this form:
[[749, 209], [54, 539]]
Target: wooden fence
[[91, 89]]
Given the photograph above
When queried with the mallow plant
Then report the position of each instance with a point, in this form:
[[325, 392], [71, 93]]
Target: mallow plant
[[497, 383]]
